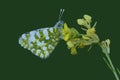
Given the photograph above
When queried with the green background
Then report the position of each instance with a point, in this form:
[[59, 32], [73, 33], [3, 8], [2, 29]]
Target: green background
[[18, 17]]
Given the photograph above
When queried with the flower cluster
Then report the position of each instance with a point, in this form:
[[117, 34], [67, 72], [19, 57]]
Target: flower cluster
[[74, 39], [71, 36]]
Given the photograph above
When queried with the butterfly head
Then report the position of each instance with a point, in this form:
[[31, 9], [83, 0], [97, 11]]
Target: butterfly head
[[60, 23]]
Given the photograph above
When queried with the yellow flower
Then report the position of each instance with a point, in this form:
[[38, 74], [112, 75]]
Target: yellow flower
[[108, 42], [73, 51], [70, 44], [73, 44], [105, 45], [66, 32], [85, 37], [81, 21], [91, 31], [108, 45], [87, 18], [82, 44]]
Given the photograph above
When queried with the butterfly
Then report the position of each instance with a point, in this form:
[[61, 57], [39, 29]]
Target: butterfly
[[41, 42]]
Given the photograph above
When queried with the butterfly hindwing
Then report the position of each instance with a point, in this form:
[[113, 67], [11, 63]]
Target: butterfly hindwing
[[40, 42]]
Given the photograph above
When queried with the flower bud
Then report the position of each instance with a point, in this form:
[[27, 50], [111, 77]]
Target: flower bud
[[81, 21], [87, 18]]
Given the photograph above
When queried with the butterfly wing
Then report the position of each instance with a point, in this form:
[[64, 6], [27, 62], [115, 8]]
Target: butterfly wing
[[40, 42]]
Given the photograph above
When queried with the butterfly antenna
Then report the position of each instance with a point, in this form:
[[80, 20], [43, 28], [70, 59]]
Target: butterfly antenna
[[61, 13]]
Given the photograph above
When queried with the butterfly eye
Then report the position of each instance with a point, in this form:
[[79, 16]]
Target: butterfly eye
[[61, 24]]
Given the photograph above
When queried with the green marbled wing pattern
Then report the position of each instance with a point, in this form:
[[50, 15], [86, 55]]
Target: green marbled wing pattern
[[41, 42]]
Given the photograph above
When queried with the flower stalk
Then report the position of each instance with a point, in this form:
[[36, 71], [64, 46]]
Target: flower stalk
[[105, 45]]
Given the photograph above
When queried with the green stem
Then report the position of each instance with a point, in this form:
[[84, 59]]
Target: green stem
[[112, 66]]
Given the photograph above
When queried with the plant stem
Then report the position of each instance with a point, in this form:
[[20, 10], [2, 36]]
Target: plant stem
[[112, 67]]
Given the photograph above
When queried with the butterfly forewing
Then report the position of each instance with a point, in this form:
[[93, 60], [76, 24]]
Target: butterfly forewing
[[40, 42]]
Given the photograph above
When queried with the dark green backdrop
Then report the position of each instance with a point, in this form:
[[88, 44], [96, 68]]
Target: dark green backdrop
[[23, 16]]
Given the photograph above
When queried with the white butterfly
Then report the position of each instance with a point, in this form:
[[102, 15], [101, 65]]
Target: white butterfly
[[42, 42]]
